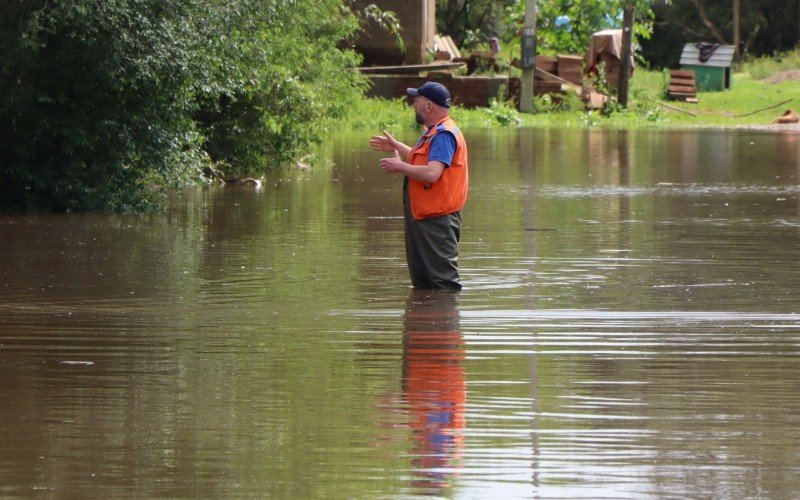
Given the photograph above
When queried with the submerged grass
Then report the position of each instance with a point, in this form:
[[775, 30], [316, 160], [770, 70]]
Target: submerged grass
[[745, 104]]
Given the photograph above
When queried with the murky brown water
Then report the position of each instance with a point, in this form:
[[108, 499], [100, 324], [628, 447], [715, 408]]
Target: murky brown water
[[630, 326]]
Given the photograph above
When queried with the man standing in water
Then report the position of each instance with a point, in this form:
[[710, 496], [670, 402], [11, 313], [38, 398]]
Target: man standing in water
[[434, 188]]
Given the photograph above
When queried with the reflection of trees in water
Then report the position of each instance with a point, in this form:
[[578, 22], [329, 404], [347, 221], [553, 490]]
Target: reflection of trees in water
[[434, 385]]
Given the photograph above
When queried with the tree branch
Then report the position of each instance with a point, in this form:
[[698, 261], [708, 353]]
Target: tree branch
[[707, 22]]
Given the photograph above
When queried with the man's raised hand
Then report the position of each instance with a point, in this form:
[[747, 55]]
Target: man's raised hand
[[383, 142]]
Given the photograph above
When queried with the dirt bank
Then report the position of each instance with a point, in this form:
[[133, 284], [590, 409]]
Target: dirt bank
[[784, 76]]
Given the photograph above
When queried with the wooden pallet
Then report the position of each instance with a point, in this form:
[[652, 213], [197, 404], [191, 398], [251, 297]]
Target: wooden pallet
[[682, 85]]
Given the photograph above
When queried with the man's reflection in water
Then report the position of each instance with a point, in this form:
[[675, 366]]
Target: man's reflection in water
[[434, 385]]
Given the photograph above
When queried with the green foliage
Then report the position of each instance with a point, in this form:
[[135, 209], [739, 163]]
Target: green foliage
[[95, 103], [599, 80], [503, 113], [557, 103], [385, 19], [106, 102], [566, 26], [472, 22], [563, 26], [379, 114], [280, 80]]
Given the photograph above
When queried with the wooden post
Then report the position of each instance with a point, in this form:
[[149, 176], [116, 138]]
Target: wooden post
[[736, 34], [625, 62], [528, 57]]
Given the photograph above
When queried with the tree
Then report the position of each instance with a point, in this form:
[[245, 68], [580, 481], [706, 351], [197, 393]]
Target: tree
[[94, 102], [279, 76], [566, 26], [471, 22], [106, 100], [563, 26]]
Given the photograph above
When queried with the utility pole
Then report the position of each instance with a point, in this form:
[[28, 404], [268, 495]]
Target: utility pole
[[528, 57], [625, 62], [736, 34]]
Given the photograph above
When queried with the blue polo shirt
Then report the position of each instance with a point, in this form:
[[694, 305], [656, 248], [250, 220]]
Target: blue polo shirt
[[443, 146]]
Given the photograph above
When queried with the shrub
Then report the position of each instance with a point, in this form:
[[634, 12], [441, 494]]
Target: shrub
[[107, 101]]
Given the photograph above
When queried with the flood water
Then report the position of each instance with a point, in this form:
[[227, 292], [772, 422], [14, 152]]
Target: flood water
[[629, 327]]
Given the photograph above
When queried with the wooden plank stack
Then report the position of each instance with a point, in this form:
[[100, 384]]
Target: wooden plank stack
[[555, 73], [547, 63], [682, 85], [570, 68], [445, 48]]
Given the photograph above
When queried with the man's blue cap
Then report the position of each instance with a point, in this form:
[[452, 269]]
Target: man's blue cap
[[436, 92]]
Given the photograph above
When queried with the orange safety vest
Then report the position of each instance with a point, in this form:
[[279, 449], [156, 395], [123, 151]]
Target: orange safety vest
[[449, 193], [436, 394]]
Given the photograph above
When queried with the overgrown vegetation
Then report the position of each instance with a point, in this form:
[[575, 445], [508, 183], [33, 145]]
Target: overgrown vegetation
[[104, 101], [563, 26]]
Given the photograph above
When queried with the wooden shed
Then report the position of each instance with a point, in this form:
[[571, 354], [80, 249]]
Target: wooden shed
[[711, 64]]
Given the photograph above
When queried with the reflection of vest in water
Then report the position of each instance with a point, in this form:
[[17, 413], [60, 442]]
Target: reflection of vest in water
[[435, 389], [449, 193]]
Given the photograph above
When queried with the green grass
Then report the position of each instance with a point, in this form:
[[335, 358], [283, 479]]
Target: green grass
[[749, 93], [746, 96], [763, 67]]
